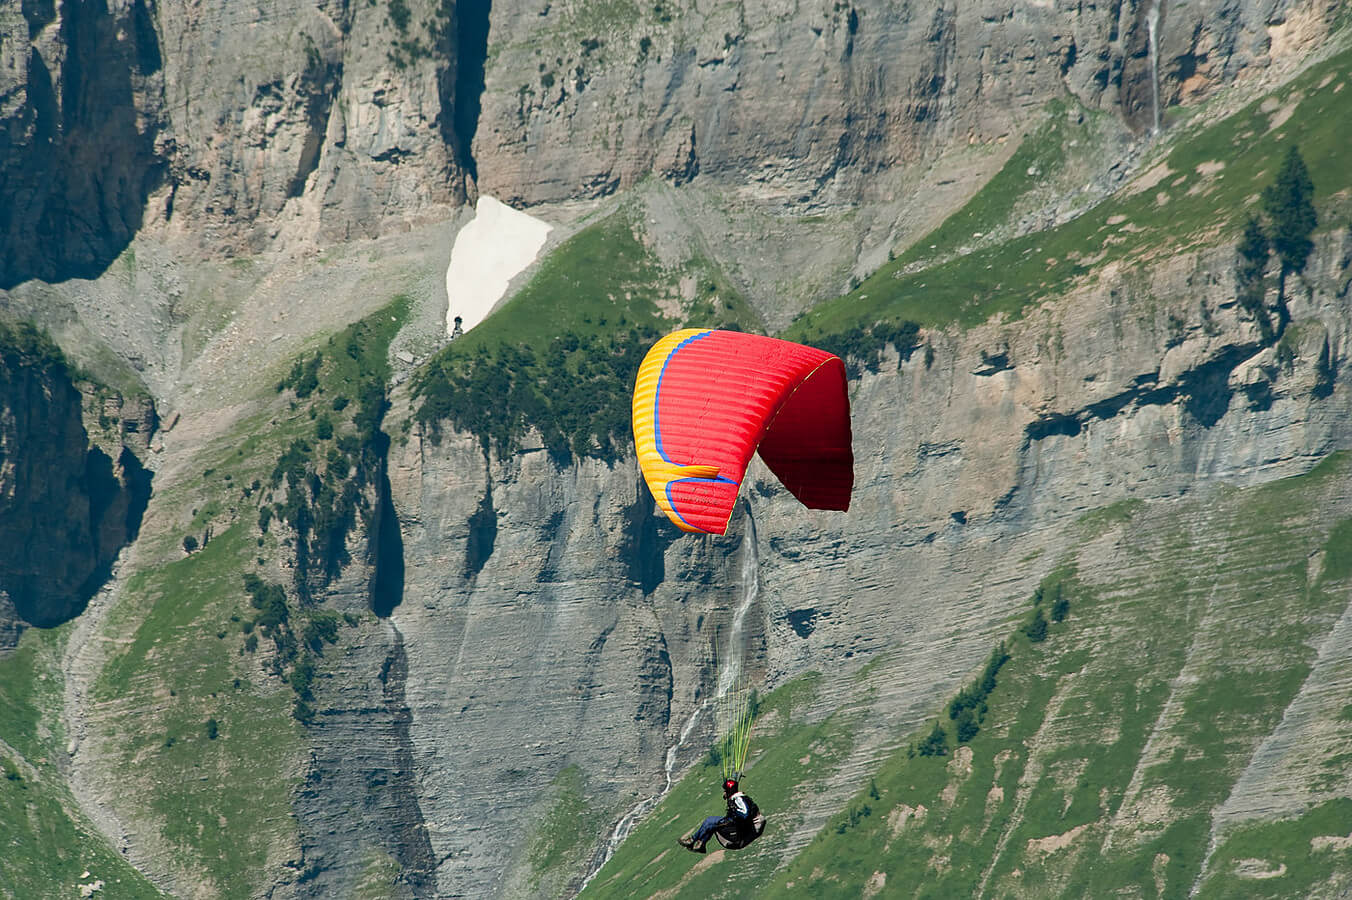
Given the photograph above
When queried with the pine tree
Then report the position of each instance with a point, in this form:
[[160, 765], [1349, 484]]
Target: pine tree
[[936, 744], [1037, 628], [1289, 205], [1061, 606]]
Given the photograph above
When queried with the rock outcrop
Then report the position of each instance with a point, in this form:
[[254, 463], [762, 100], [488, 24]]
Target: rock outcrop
[[73, 486], [327, 121], [81, 122], [821, 103]]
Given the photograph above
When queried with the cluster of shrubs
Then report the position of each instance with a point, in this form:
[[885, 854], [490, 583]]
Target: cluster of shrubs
[[1288, 219], [11, 771], [856, 814], [407, 48], [321, 478], [861, 347], [304, 377], [296, 646], [576, 393], [968, 709], [1036, 628], [321, 500]]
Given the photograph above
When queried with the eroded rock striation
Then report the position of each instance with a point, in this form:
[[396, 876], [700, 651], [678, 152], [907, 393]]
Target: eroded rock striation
[[537, 620], [231, 124], [819, 103]]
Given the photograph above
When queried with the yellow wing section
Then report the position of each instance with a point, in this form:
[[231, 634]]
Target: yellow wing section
[[656, 470]]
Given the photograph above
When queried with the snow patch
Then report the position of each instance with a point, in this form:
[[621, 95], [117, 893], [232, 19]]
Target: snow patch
[[495, 247]]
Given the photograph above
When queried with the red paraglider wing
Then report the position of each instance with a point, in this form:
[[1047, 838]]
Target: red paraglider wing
[[706, 400]]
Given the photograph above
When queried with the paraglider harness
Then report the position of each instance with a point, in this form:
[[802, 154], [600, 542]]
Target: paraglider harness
[[736, 831]]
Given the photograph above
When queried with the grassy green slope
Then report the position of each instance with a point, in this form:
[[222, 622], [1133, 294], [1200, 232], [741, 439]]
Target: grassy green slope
[[561, 355], [221, 802], [791, 757], [192, 658], [1206, 186], [604, 277], [1105, 748], [46, 846], [1108, 746]]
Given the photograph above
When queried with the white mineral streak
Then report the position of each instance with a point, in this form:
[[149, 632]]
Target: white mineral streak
[[644, 806], [495, 247], [730, 668], [729, 671]]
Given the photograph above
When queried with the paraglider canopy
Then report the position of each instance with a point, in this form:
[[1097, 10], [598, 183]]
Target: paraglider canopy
[[706, 400]]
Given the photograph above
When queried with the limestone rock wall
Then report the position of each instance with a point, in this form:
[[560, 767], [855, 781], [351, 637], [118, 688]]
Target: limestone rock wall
[[532, 645], [233, 124], [815, 102], [294, 121], [570, 627], [80, 120]]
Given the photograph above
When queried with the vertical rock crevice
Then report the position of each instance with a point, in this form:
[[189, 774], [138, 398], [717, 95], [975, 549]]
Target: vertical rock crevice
[[411, 845], [483, 533], [645, 541], [387, 584], [359, 808], [470, 37], [318, 88]]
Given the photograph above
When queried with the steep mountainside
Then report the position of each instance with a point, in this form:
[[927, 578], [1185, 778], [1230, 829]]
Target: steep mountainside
[[236, 128], [399, 618]]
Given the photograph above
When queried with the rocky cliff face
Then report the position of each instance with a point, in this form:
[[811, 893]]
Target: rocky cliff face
[[79, 154], [334, 120], [231, 125], [550, 621], [820, 103], [73, 486]]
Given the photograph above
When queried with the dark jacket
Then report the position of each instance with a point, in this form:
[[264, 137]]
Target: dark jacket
[[742, 812]]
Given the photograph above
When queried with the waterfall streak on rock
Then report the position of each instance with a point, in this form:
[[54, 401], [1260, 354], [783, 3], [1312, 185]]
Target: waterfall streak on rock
[[730, 670], [635, 815], [727, 678]]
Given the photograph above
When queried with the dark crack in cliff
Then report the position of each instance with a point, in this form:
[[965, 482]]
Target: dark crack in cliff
[[483, 532], [80, 159], [471, 53], [359, 804], [387, 586], [645, 542]]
